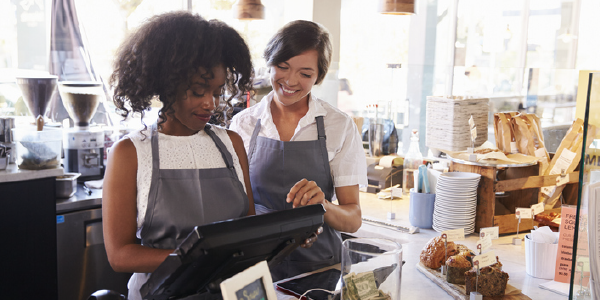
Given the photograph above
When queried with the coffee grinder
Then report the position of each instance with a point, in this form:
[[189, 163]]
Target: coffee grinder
[[37, 92], [83, 144]]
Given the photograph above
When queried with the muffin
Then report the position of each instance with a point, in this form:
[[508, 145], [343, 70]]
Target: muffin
[[458, 265]]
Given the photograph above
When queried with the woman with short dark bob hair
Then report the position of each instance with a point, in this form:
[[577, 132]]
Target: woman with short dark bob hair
[[179, 172], [301, 150], [298, 37]]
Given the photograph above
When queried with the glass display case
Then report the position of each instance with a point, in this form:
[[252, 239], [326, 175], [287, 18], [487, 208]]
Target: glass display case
[[586, 254]]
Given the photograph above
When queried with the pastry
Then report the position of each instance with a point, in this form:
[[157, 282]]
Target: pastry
[[491, 282], [458, 265], [433, 256]]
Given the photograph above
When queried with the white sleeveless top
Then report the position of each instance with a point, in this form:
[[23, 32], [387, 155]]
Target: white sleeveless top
[[196, 151]]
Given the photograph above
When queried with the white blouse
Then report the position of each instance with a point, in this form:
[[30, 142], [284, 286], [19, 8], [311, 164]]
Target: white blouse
[[347, 159], [196, 151]]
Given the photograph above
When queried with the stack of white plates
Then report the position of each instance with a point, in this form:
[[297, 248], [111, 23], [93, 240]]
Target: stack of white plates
[[456, 201]]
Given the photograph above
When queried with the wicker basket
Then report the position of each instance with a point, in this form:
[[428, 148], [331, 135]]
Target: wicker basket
[[448, 122]]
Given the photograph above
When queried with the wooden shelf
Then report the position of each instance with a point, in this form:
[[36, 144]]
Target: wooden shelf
[[521, 185]]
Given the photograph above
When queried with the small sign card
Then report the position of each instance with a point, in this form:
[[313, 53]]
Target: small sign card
[[492, 232], [524, 212], [568, 216], [485, 242], [537, 208], [254, 283], [455, 234], [486, 259]]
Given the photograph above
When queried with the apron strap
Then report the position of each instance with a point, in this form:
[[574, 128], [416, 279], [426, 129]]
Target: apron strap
[[222, 148], [154, 143], [322, 140], [253, 140]]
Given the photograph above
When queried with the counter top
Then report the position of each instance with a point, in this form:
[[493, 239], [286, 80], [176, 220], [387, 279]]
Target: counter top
[[415, 284], [13, 173], [81, 200]]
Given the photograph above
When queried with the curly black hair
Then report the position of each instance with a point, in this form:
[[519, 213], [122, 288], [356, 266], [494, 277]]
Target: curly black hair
[[164, 54]]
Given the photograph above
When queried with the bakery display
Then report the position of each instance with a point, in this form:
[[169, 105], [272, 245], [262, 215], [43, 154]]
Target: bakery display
[[434, 254], [551, 219]]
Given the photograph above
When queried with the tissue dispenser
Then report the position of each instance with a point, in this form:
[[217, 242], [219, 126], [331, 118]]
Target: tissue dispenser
[[382, 177]]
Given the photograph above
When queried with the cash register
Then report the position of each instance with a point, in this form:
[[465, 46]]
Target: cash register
[[214, 252]]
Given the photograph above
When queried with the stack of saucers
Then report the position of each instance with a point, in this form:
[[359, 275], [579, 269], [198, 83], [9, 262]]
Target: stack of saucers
[[456, 201]]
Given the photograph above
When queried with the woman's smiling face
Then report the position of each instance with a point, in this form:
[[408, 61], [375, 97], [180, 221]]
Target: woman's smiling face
[[293, 79], [193, 110]]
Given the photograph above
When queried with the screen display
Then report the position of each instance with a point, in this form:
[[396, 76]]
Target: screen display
[[327, 280]]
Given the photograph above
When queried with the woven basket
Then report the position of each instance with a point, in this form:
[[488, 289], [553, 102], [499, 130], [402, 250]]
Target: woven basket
[[448, 122]]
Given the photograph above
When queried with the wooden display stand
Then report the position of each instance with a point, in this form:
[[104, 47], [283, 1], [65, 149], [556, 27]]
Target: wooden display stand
[[521, 186]]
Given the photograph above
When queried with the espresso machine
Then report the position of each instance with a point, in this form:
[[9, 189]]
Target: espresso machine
[[83, 144]]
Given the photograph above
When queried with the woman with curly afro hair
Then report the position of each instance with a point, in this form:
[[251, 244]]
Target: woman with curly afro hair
[[178, 172]]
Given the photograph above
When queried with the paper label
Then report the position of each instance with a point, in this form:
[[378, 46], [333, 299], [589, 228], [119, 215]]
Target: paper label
[[525, 213], [492, 232], [548, 190], [562, 180], [485, 242], [485, 259], [454, 235], [396, 192], [568, 216], [537, 208], [473, 128], [540, 152], [513, 148], [563, 162]]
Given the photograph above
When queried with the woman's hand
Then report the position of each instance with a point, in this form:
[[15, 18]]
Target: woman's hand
[[312, 239], [305, 192]]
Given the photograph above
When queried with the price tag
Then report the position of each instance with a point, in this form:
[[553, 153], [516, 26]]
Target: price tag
[[548, 190], [485, 242], [455, 234], [562, 180], [486, 259], [473, 128], [492, 232], [537, 208], [525, 213]]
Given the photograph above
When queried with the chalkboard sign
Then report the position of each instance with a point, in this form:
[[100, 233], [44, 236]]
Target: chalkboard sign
[[254, 283], [253, 291]]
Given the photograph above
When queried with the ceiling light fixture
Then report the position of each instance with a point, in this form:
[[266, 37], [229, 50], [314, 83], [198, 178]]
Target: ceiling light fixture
[[248, 10], [397, 7]]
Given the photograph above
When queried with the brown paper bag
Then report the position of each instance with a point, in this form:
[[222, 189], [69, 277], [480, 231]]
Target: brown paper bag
[[529, 137], [503, 132], [566, 159]]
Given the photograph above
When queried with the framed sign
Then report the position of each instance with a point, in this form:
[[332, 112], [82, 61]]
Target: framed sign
[[254, 283]]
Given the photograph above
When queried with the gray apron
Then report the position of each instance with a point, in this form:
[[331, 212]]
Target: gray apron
[[275, 166], [181, 199]]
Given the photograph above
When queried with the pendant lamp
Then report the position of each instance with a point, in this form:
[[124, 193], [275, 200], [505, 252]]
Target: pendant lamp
[[248, 10], [397, 7]]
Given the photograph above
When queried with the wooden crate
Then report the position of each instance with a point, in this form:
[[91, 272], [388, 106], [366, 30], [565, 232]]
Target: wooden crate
[[523, 185]]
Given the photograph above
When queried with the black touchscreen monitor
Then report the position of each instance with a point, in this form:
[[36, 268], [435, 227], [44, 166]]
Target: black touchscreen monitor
[[214, 252]]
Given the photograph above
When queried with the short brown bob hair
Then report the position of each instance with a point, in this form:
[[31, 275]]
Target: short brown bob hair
[[296, 38]]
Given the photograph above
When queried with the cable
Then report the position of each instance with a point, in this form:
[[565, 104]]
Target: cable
[[324, 290]]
